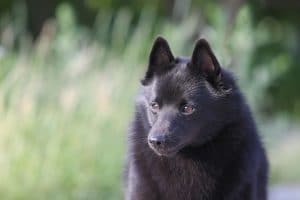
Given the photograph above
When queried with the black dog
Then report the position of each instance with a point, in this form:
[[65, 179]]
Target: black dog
[[193, 136]]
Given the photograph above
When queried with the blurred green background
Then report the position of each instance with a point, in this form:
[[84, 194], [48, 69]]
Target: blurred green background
[[69, 71]]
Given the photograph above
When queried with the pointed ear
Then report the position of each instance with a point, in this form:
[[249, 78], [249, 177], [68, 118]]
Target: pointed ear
[[161, 54], [160, 59], [204, 60]]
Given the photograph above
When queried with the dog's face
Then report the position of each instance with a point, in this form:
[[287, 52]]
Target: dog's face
[[182, 98]]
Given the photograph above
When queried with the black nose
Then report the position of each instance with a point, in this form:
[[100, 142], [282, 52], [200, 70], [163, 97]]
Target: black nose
[[157, 141]]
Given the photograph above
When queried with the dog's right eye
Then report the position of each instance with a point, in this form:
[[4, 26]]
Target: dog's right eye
[[154, 107]]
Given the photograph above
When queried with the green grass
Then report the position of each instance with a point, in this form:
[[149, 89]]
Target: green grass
[[64, 140], [64, 115], [66, 101]]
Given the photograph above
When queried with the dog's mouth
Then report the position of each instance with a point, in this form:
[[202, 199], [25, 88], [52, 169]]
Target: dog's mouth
[[166, 151], [165, 145]]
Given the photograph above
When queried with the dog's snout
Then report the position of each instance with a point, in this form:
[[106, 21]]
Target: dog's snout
[[157, 141]]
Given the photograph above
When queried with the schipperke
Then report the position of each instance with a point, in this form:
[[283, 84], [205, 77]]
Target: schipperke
[[193, 136]]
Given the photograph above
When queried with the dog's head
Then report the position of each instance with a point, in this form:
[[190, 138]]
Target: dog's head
[[187, 99]]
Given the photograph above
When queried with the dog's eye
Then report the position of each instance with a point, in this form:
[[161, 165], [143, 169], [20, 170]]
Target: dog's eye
[[154, 106], [187, 109]]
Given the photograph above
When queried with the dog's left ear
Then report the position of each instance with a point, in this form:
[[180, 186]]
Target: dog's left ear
[[205, 62]]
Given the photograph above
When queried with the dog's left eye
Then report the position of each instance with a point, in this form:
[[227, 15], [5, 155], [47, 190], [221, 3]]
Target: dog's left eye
[[187, 109]]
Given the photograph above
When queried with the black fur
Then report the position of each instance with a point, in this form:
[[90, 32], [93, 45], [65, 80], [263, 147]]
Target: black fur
[[193, 136]]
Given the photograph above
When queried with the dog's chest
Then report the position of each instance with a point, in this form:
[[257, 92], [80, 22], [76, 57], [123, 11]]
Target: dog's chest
[[187, 181]]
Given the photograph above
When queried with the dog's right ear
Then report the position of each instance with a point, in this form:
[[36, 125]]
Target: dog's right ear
[[160, 59]]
